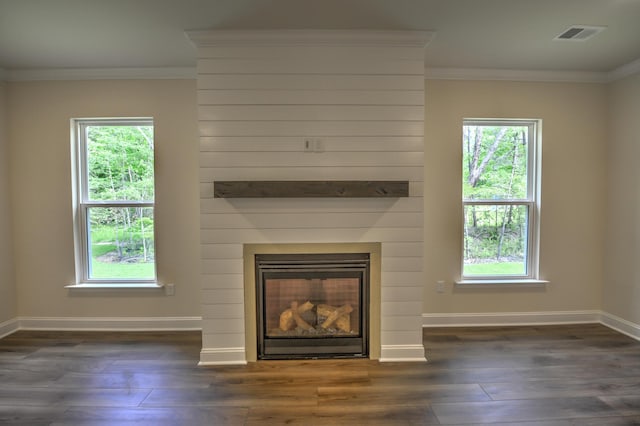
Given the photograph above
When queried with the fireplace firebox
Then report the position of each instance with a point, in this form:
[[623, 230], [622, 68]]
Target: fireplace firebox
[[312, 305]]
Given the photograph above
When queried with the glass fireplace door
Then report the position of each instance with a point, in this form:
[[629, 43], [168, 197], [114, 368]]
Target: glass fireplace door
[[312, 306]]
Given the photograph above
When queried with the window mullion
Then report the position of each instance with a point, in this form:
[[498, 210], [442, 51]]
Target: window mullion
[[531, 163], [83, 169], [496, 202], [85, 243], [116, 204]]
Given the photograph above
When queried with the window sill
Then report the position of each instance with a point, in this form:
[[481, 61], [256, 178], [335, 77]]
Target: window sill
[[115, 286], [499, 282]]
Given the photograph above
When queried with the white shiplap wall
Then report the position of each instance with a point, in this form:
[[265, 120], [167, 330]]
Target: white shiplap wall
[[259, 95]]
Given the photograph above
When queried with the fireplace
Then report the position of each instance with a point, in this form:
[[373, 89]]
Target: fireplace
[[369, 305], [312, 305]]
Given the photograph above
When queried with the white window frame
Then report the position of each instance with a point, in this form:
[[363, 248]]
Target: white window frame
[[82, 204], [532, 203]]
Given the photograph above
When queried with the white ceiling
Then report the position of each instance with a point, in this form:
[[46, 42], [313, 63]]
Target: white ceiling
[[477, 34]]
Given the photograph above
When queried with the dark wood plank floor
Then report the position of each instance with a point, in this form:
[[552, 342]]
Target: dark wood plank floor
[[536, 376]]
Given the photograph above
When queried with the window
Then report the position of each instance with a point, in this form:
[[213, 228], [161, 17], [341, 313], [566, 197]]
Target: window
[[500, 199], [114, 200]]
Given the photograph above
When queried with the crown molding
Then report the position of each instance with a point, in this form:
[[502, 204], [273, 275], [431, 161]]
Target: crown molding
[[515, 75], [625, 70], [207, 38], [190, 73], [533, 75], [161, 73]]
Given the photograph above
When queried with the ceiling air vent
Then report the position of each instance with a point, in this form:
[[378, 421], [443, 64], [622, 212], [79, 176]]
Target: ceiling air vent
[[579, 33]]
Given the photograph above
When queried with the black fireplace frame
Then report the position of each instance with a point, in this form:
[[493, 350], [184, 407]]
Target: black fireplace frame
[[313, 265]]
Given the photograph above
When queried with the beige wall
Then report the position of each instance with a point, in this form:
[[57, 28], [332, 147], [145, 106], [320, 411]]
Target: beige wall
[[573, 192], [621, 290], [7, 283], [39, 113], [575, 144]]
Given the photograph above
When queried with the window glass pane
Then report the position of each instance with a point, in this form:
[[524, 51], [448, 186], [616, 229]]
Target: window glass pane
[[495, 240], [120, 162], [495, 162], [121, 243]]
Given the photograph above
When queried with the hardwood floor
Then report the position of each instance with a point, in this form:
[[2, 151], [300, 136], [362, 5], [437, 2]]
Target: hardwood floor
[[535, 376]]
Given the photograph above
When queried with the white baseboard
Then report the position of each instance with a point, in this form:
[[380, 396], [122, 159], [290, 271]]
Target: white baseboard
[[510, 318], [231, 356], [389, 353], [621, 325], [402, 353], [110, 324], [532, 318], [9, 327], [222, 356]]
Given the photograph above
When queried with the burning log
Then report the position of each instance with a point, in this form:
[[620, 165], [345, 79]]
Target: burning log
[[291, 317]]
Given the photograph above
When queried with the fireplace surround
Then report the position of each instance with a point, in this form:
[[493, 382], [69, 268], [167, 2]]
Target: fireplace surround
[[358, 96], [360, 263]]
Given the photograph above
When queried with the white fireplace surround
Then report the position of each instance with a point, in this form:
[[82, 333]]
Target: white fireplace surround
[[359, 96], [250, 250]]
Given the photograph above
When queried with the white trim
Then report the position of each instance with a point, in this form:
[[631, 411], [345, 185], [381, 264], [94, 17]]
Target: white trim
[[115, 286], [621, 325], [625, 71], [481, 319], [222, 356], [234, 356], [111, 324], [500, 283], [431, 73], [9, 327], [82, 202], [531, 202], [390, 353], [160, 73], [516, 75], [402, 353], [205, 38]]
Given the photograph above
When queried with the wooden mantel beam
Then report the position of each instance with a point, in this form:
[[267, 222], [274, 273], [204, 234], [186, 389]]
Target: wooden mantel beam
[[310, 189]]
